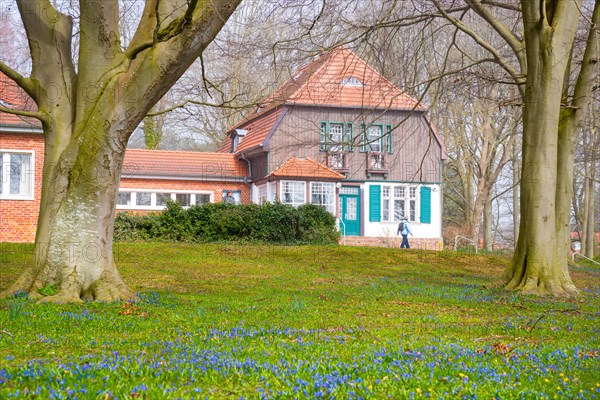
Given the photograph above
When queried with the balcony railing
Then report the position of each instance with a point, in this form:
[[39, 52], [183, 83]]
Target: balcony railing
[[377, 162], [338, 161]]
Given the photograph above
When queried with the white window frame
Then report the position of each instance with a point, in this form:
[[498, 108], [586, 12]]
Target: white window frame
[[378, 140], [293, 203], [335, 139], [351, 81], [153, 192], [410, 198], [5, 175], [329, 206]]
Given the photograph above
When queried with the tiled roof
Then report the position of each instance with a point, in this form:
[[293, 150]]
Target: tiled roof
[[183, 164], [258, 130], [305, 168], [320, 84], [325, 85], [12, 96]]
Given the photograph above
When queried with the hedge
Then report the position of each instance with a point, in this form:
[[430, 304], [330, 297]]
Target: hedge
[[213, 222]]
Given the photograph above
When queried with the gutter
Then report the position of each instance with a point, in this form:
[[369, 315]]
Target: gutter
[[20, 129], [187, 178]]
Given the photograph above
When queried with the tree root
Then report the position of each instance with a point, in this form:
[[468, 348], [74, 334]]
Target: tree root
[[550, 287], [108, 288]]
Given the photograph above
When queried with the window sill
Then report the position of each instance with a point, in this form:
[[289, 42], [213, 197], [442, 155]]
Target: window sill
[[29, 198]]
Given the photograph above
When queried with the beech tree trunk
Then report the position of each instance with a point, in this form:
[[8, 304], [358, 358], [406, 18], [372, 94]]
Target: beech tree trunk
[[515, 193], [88, 122], [589, 226], [549, 131], [488, 220]]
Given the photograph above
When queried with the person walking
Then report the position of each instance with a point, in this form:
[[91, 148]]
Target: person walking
[[404, 230]]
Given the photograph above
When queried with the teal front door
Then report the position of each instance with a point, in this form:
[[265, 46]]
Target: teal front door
[[350, 202]]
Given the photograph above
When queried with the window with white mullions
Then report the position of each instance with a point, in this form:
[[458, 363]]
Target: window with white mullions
[[323, 194], [293, 193], [336, 137], [16, 175], [398, 201], [374, 138], [145, 200]]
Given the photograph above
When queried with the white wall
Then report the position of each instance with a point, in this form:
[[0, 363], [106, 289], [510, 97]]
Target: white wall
[[432, 230]]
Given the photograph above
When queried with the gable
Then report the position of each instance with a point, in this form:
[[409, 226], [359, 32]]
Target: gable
[[348, 81], [12, 96], [258, 131]]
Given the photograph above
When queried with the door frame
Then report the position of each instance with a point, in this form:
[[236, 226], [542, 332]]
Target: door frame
[[343, 202]]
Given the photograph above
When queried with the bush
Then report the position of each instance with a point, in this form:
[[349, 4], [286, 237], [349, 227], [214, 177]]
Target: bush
[[267, 223]]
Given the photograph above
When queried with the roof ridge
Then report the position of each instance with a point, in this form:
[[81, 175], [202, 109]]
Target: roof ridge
[[181, 151]]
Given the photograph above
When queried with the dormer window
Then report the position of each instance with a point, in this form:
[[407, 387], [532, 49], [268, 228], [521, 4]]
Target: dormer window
[[236, 138], [351, 81]]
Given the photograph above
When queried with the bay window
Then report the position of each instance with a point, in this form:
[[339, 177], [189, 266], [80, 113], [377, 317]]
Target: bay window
[[323, 194], [293, 193]]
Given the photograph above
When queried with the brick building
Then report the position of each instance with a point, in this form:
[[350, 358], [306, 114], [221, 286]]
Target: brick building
[[337, 134]]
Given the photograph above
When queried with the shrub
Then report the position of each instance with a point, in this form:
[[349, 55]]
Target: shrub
[[269, 223], [317, 225]]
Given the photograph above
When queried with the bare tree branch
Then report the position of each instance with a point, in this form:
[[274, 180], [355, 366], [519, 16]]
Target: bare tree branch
[[515, 44], [517, 76], [23, 113]]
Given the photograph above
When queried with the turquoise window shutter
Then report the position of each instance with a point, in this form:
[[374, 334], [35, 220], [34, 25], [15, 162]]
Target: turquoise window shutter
[[425, 205], [374, 203], [389, 136]]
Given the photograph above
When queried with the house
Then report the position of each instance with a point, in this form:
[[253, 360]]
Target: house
[[341, 135], [337, 134]]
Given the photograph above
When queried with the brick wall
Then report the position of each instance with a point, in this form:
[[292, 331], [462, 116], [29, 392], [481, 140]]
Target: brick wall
[[18, 218], [394, 242]]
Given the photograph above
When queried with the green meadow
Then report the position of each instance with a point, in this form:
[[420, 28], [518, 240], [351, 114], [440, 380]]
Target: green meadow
[[251, 321]]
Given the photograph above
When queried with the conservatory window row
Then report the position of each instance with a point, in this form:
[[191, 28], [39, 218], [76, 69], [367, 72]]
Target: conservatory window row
[[157, 200]]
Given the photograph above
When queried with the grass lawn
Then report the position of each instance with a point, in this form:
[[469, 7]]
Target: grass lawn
[[242, 321]]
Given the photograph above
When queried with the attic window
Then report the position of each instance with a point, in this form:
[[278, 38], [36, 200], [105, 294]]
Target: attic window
[[5, 104], [351, 81], [298, 75], [237, 137]]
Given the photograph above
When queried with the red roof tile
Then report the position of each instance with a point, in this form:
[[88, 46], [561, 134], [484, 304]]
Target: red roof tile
[[12, 96], [258, 130], [305, 168], [320, 83], [325, 85], [183, 164]]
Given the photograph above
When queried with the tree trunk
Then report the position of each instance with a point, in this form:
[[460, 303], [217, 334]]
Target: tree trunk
[[89, 123], [73, 249], [515, 192], [540, 263], [589, 234], [488, 219]]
